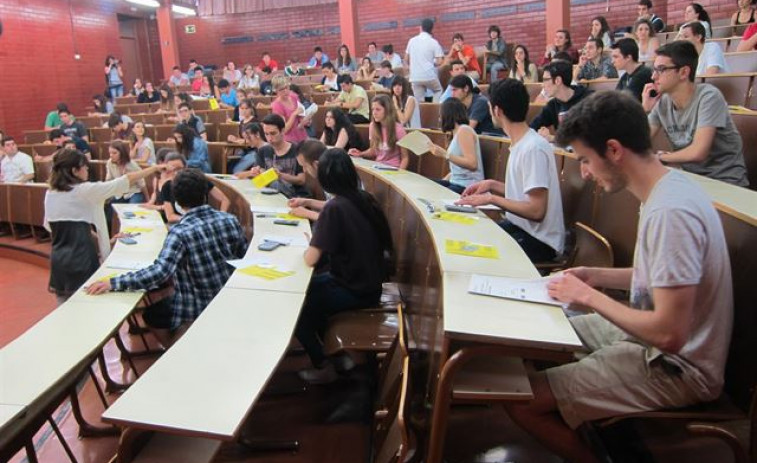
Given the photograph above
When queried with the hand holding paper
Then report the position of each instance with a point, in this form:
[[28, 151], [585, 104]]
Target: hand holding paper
[[266, 178], [416, 141]]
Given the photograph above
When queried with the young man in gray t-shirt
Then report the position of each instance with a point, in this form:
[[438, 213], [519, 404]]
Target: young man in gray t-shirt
[[669, 347], [694, 116]]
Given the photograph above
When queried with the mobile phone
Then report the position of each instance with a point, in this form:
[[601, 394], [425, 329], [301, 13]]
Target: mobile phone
[[269, 191], [129, 215], [292, 223], [268, 245], [127, 240], [456, 208]]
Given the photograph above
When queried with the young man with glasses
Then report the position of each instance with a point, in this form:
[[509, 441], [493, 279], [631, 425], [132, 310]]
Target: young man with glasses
[[186, 115], [694, 116]]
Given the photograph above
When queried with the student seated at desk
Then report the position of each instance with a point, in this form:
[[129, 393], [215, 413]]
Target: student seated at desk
[[694, 117], [669, 348], [475, 103], [253, 139], [463, 152], [193, 259], [530, 194], [60, 140], [308, 154], [339, 131], [194, 148], [280, 155], [558, 76], [15, 166], [73, 207], [354, 234], [383, 133]]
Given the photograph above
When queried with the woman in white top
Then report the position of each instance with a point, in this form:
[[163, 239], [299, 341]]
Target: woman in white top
[[463, 152], [695, 12], [408, 109], [73, 206], [143, 150], [522, 68], [645, 38], [249, 80], [232, 74]]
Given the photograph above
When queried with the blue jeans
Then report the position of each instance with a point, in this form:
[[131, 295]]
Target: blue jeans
[[452, 186], [326, 297], [116, 90], [496, 67]]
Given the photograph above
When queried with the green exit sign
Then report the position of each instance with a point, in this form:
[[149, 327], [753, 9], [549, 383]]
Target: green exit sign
[[190, 29]]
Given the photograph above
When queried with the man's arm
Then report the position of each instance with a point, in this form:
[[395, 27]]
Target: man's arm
[[533, 208], [697, 151], [160, 271]]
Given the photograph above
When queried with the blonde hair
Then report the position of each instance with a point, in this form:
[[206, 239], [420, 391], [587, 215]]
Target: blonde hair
[[390, 122], [279, 82]]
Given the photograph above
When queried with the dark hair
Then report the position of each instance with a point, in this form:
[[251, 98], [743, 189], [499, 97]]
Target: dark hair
[[190, 188], [274, 119], [427, 25], [176, 68], [101, 103], [561, 69], [568, 40], [199, 68], [697, 28], [604, 26], [175, 156], [188, 136], [511, 97], [62, 177], [683, 54], [123, 151], [702, 14], [211, 83], [388, 48], [223, 83], [192, 60], [64, 111], [526, 60], [347, 60], [61, 107], [346, 79], [267, 69], [407, 90], [563, 56], [389, 123], [337, 175], [108, 58], [185, 104], [250, 105], [55, 133], [327, 65], [265, 53], [646, 3], [604, 116], [386, 64], [461, 82], [627, 47], [494, 28], [316, 49], [114, 119], [639, 22], [453, 112], [167, 102], [598, 42], [458, 36], [341, 121], [455, 62], [254, 128], [162, 154], [6, 138], [311, 149], [184, 97]]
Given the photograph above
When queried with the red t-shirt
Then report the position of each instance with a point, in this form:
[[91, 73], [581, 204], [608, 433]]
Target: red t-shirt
[[468, 52], [749, 32], [274, 65]]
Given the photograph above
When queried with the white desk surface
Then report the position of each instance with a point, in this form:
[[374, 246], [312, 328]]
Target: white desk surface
[[504, 321], [737, 201], [208, 381], [8, 413]]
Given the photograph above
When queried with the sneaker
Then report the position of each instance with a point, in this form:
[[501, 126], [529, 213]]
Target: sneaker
[[324, 375], [343, 362]]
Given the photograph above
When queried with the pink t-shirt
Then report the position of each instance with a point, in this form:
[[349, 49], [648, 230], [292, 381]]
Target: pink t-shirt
[[296, 134], [383, 154], [749, 32]]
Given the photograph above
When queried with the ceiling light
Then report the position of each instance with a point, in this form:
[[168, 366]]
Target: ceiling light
[[183, 10], [150, 3]]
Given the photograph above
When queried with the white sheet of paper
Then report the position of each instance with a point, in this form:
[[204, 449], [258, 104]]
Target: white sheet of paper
[[247, 262], [310, 110], [490, 207], [416, 141], [288, 240], [512, 288], [125, 264], [269, 209]]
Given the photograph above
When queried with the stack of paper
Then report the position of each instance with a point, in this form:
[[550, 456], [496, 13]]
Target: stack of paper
[[512, 288]]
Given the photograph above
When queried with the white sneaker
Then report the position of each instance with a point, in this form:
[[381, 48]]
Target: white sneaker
[[324, 375]]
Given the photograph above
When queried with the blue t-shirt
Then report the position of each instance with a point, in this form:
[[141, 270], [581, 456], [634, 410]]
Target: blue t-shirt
[[229, 98]]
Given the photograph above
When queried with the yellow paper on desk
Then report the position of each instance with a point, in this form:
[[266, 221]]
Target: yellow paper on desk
[[136, 230], [106, 278], [455, 217], [466, 248], [392, 172], [289, 217], [740, 109], [416, 141], [266, 273], [265, 179], [141, 213], [213, 103]]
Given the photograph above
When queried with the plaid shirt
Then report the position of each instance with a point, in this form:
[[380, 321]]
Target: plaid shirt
[[194, 255], [591, 71]]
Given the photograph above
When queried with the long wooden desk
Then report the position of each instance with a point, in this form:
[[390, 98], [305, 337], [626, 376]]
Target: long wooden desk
[[38, 368], [210, 379]]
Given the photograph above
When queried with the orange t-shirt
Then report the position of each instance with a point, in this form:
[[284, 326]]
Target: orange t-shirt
[[468, 52]]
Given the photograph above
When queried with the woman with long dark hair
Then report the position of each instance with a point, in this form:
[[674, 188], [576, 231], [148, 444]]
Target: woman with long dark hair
[[696, 12], [408, 109], [345, 63], [192, 146], [114, 77], [601, 30], [522, 68], [308, 154], [74, 206], [143, 148], [339, 131], [354, 234]]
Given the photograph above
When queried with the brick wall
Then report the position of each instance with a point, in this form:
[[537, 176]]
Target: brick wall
[[37, 62]]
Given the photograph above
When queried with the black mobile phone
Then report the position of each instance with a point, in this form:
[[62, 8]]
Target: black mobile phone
[[292, 223], [456, 208], [268, 245]]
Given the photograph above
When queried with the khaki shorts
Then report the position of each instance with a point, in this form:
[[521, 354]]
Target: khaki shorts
[[616, 378]]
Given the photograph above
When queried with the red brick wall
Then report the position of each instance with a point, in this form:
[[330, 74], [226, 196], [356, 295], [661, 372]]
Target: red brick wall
[[37, 66]]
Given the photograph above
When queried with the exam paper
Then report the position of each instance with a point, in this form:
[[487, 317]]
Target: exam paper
[[126, 264], [512, 288], [451, 202], [416, 141], [288, 240], [247, 262]]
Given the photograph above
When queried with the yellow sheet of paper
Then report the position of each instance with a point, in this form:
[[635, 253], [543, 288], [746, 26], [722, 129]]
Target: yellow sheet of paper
[[106, 278], [392, 172], [289, 217], [265, 179], [265, 273], [213, 103], [456, 218], [466, 248], [136, 230], [141, 213], [416, 141]]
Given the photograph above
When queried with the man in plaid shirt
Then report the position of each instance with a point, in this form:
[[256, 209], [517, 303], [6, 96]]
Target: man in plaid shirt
[[193, 257]]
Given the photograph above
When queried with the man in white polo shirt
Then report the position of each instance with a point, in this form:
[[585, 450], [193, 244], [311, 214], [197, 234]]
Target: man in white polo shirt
[[424, 54], [15, 166]]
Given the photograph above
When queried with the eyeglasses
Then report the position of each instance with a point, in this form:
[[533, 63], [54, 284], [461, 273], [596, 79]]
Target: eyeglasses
[[661, 69]]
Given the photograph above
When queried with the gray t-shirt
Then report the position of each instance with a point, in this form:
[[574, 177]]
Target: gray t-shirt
[[707, 108], [681, 243]]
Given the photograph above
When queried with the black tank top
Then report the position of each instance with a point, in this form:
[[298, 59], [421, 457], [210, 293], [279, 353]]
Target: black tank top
[[751, 18]]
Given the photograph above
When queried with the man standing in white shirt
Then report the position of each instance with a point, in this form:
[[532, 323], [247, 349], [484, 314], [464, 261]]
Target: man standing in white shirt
[[424, 54], [15, 166]]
